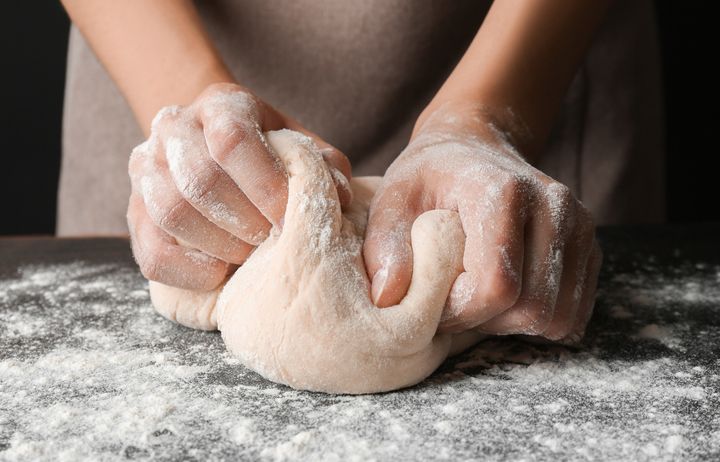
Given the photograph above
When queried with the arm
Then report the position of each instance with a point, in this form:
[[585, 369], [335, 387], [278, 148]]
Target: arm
[[206, 188], [531, 260], [156, 51], [520, 64]]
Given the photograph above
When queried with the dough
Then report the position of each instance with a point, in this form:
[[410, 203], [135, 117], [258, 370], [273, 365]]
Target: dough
[[299, 311]]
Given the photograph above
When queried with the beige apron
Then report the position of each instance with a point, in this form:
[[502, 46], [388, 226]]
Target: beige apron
[[358, 74]]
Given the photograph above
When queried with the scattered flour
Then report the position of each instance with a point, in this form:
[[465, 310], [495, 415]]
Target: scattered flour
[[659, 333], [88, 371]]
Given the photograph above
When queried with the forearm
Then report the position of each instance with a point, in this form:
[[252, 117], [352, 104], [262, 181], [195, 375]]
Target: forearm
[[157, 52], [520, 63]]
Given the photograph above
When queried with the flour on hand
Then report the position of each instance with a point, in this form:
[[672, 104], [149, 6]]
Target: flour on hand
[[299, 312]]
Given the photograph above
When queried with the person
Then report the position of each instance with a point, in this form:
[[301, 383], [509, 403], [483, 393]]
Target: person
[[509, 112]]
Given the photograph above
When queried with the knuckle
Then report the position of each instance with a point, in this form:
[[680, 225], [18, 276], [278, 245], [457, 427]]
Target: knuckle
[[390, 200], [224, 137], [216, 91], [501, 289], [175, 216], [226, 98], [198, 186], [172, 215], [562, 192], [559, 195], [561, 207], [198, 189], [513, 187], [136, 156], [165, 117], [139, 157], [516, 193]]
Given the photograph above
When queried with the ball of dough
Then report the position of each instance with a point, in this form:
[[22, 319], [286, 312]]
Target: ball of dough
[[299, 312]]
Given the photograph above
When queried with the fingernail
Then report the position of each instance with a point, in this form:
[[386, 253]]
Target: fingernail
[[378, 284]]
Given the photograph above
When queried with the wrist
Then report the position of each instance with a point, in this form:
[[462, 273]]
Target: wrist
[[475, 118], [195, 75]]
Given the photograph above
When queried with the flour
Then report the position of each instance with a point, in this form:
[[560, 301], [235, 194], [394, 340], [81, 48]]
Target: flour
[[659, 333], [514, 202], [89, 372]]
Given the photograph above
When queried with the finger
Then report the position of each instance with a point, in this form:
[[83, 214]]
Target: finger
[[577, 253], [337, 161], [161, 259], [172, 213], [235, 140], [493, 259], [342, 186], [587, 300], [387, 249], [542, 267], [210, 190]]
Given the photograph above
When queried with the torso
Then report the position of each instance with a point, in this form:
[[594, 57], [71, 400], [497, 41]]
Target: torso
[[359, 74]]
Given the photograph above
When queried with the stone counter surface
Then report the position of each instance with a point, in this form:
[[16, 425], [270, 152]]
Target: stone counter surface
[[88, 371]]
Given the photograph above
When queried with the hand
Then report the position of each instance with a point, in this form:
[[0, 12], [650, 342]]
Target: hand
[[531, 260], [207, 188]]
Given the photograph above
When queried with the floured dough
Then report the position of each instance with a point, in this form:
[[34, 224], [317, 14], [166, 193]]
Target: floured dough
[[299, 311]]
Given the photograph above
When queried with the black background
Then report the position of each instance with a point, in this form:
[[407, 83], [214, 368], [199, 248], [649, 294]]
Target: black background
[[34, 40]]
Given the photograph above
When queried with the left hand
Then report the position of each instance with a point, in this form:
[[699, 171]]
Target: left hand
[[531, 259], [206, 186]]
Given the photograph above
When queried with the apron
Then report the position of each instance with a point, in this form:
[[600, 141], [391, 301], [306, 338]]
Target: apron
[[359, 74]]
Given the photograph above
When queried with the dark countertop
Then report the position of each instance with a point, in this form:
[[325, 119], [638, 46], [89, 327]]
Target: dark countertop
[[89, 371]]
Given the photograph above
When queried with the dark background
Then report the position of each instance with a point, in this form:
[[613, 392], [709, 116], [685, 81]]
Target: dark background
[[34, 39]]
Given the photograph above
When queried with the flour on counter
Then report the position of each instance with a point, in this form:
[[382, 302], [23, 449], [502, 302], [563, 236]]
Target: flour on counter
[[661, 334], [88, 371]]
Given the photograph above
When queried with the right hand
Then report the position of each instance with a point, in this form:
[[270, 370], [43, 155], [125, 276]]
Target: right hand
[[207, 188], [530, 258]]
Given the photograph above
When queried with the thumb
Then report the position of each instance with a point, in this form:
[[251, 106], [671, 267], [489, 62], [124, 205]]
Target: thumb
[[387, 249]]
